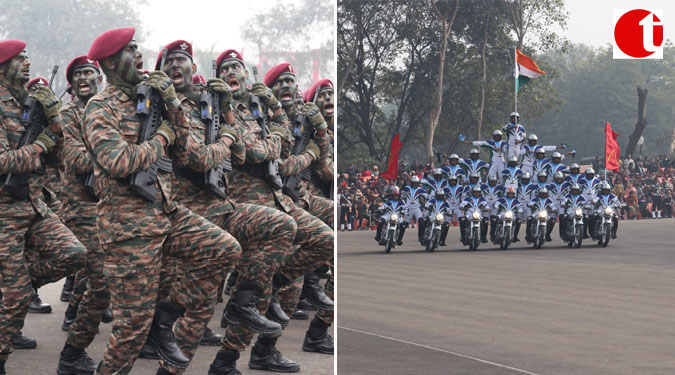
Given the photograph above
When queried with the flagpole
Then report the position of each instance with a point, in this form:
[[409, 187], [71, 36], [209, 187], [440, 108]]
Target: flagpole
[[515, 78]]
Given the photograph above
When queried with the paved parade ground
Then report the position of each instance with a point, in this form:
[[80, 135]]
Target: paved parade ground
[[46, 328], [556, 310]]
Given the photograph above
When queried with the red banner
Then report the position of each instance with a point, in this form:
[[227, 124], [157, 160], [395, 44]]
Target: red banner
[[612, 150], [392, 166]]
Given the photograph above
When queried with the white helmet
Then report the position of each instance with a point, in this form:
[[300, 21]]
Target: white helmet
[[452, 177], [532, 137], [437, 171], [543, 190], [542, 174], [474, 175], [589, 171], [558, 175], [454, 156], [525, 176], [556, 155], [474, 151], [492, 177], [513, 158], [414, 179], [476, 189], [514, 114], [605, 186], [574, 166], [540, 150], [497, 132]]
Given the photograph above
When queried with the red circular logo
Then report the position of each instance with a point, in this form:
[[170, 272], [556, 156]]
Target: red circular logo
[[630, 32]]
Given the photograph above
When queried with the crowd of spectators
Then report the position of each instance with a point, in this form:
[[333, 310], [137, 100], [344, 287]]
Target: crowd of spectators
[[644, 185]]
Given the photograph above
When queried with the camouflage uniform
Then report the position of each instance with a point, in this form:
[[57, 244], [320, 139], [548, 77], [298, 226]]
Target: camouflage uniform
[[136, 234], [265, 234], [79, 213], [29, 227]]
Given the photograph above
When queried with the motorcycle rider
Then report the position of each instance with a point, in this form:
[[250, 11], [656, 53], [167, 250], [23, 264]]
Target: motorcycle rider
[[511, 173], [589, 184], [492, 191], [393, 205], [515, 134], [558, 190], [474, 180], [606, 199], [454, 169], [414, 197], [542, 180], [541, 162], [473, 164], [475, 201], [437, 204], [497, 149], [555, 166], [574, 198], [541, 202], [503, 204], [574, 177]]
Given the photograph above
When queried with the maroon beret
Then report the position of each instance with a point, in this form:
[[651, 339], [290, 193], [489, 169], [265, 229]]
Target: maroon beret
[[276, 71], [198, 79], [180, 46], [10, 48], [228, 55], [308, 96], [110, 42], [36, 80], [78, 62]]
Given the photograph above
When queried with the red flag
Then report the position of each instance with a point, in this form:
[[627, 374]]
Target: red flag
[[392, 168], [612, 150]]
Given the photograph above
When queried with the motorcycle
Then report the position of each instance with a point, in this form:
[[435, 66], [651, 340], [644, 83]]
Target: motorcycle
[[432, 232], [539, 231], [472, 229], [574, 234], [505, 227], [603, 225]]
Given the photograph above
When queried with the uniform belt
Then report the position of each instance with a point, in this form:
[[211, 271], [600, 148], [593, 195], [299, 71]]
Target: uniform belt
[[255, 170]]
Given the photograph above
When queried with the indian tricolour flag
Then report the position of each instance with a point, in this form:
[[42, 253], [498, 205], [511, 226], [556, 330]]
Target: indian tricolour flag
[[526, 69]]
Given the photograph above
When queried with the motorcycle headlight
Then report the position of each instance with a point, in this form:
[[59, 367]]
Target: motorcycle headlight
[[439, 217], [394, 217], [609, 210], [508, 215], [543, 214], [475, 215], [578, 212]]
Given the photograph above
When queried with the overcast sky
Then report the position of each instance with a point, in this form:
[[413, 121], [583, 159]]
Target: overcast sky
[[590, 21]]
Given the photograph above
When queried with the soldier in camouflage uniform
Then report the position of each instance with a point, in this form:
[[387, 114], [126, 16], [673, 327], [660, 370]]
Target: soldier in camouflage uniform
[[29, 225], [265, 234], [136, 233], [79, 213], [251, 184]]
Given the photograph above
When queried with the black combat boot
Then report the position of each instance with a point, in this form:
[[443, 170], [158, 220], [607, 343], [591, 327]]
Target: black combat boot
[[323, 271], [483, 230], [299, 314], [107, 315], [313, 291], [549, 229], [588, 226], [210, 338], [276, 313], [161, 334], [304, 304], [420, 230], [67, 288], [163, 371], [231, 281], [378, 232], [615, 227], [225, 363], [24, 342], [401, 232], [69, 318], [528, 230], [75, 361], [265, 356], [444, 233], [148, 351], [37, 306], [317, 339], [516, 229], [462, 230], [493, 227], [243, 310]]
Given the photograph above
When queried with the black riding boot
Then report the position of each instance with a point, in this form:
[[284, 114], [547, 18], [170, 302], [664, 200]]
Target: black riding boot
[[401, 232], [421, 229], [562, 227], [615, 227], [588, 226], [313, 291], [210, 338], [444, 233], [265, 356], [67, 288], [161, 334], [317, 338], [484, 229], [69, 318], [75, 361], [225, 363], [37, 306], [378, 233], [243, 310], [516, 229], [549, 228], [22, 341], [148, 351], [462, 230], [528, 230], [493, 227]]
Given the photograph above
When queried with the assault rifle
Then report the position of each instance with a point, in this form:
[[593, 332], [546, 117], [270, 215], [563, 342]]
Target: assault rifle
[[209, 103], [303, 131], [259, 111], [34, 120], [149, 109]]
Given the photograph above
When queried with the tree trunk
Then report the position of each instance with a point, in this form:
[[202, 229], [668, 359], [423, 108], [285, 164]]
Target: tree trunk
[[641, 122], [435, 113], [483, 77], [671, 148]]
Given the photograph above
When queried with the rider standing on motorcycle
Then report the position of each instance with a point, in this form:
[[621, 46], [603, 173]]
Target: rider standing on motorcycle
[[437, 182], [556, 166], [589, 184], [414, 197], [607, 199], [572, 200], [454, 169], [525, 193], [558, 191], [515, 134], [393, 205], [455, 195], [473, 164], [509, 202], [474, 180], [541, 202], [529, 150], [541, 162], [436, 205], [473, 202], [511, 174], [497, 149], [574, 177], [542, 178]]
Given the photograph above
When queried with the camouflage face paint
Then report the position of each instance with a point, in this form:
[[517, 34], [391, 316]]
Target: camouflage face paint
[[234, 74], [325, 102], [129, 63], [284, 89], [178, 67], [17, 70], [85, 82]]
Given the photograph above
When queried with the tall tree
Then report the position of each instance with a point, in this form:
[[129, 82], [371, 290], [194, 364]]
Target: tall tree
[[641, 121]]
